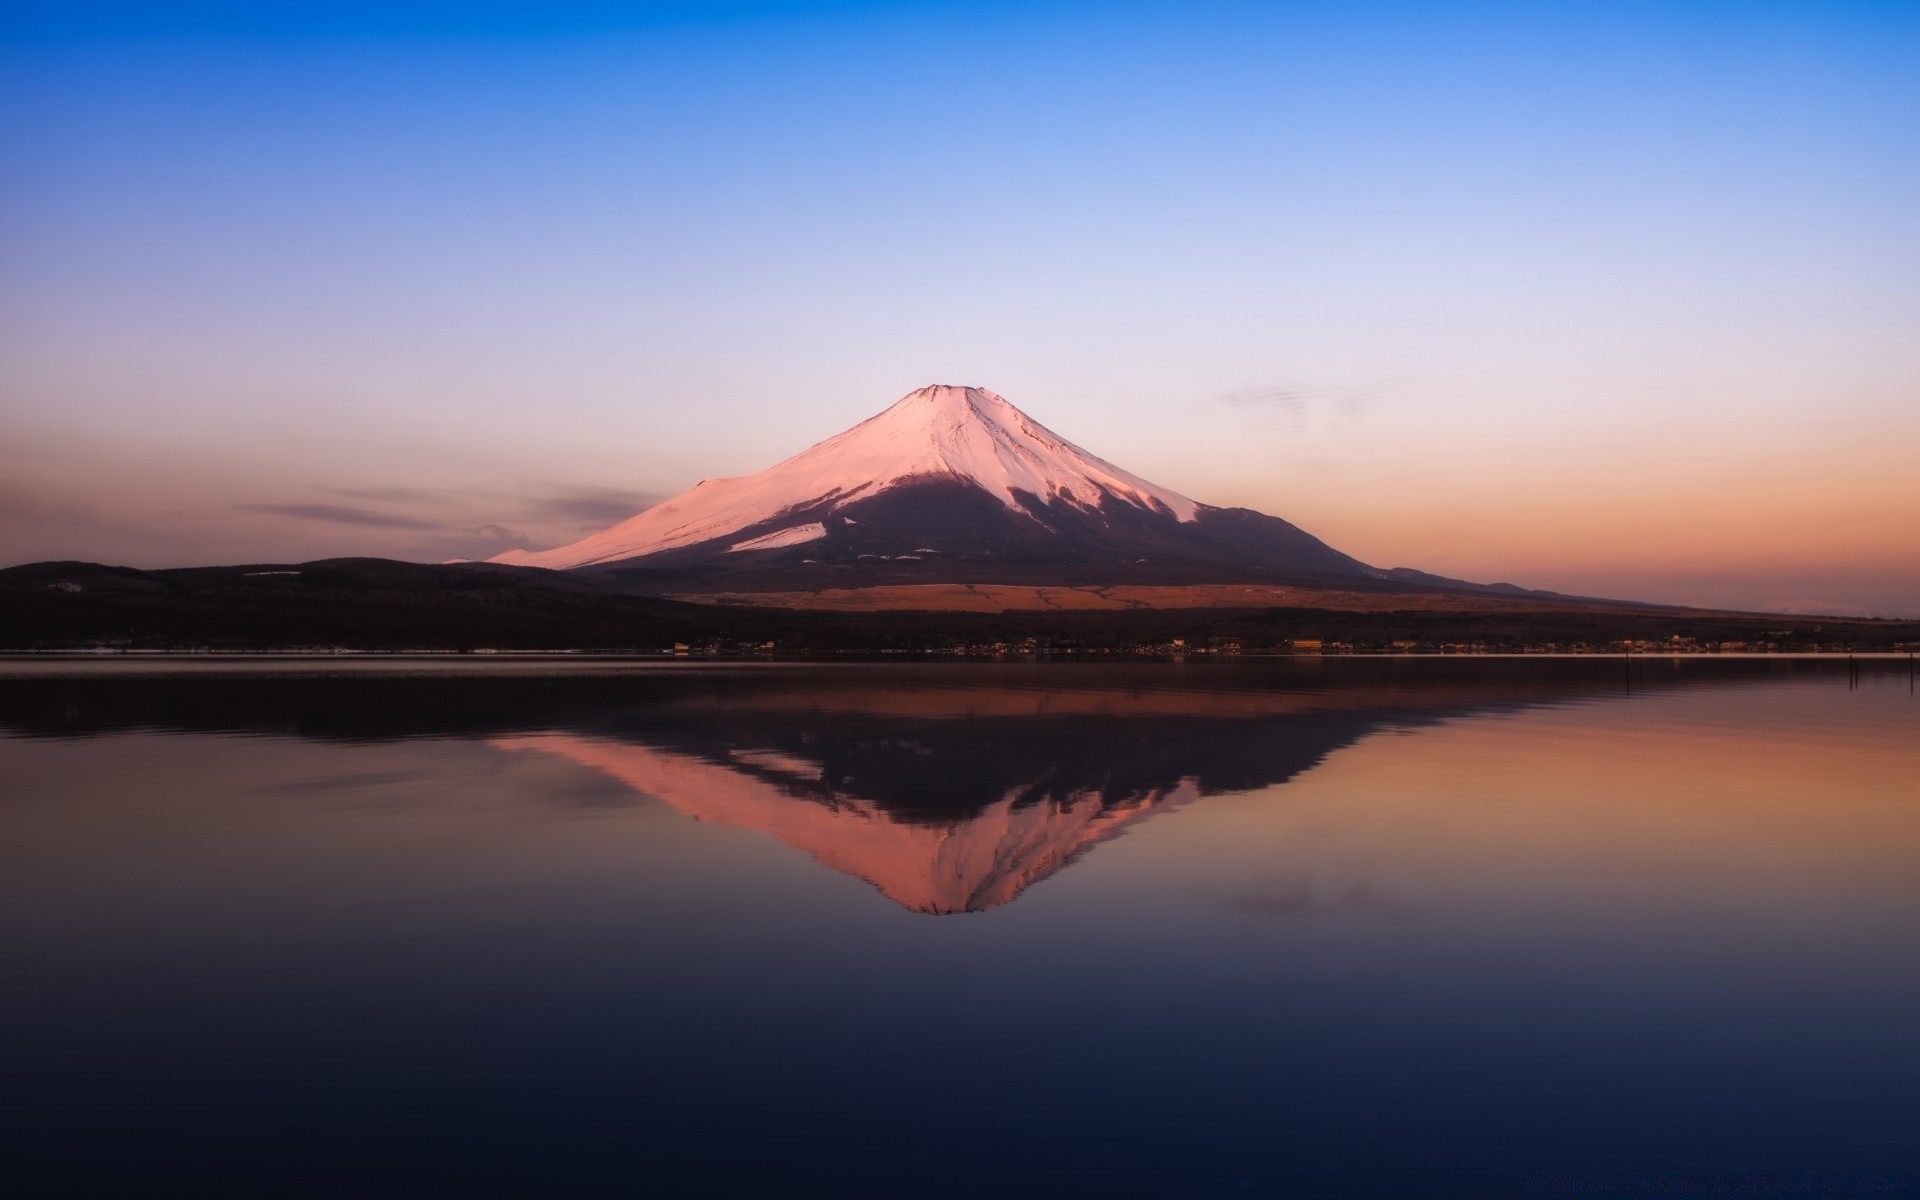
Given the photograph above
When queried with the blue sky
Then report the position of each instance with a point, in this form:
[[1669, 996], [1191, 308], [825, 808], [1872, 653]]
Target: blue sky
[[1492, 291]]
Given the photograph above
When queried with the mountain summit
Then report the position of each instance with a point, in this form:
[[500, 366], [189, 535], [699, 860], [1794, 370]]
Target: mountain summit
[[938, 434], [951, 484]]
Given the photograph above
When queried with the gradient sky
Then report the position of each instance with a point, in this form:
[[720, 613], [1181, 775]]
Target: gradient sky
[[1615, 299]]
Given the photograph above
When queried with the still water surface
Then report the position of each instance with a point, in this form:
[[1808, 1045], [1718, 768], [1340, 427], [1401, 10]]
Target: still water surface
[[1286, 928]]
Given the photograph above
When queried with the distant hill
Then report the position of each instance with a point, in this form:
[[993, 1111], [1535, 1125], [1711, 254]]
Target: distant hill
[[358, 602]]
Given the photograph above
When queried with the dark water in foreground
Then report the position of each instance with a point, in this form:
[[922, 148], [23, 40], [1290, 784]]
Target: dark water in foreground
[[1343, 927]]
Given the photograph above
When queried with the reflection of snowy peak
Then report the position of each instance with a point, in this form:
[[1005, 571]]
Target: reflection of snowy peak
[[966, 865], [954, 795], [958, 434], [951, 484]]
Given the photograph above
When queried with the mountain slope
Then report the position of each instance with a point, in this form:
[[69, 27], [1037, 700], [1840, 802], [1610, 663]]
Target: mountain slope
[[955, 479]]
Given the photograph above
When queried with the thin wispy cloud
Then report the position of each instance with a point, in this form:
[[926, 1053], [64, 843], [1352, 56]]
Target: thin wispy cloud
[[386, 495], [458, 522], [341, 514], [495, 507], [596, 507], [1295, 406]]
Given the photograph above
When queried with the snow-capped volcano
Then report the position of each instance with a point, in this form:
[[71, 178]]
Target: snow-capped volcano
[[949, 481], [940, 433]]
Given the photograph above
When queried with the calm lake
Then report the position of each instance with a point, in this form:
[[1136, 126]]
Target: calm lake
[[1308, 927]]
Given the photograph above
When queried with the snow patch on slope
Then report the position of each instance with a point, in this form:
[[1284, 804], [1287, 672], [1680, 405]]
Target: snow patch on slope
[[784, 537], [937, 432]]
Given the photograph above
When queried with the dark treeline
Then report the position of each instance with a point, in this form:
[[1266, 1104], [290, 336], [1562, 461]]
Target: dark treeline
[[372, 604]]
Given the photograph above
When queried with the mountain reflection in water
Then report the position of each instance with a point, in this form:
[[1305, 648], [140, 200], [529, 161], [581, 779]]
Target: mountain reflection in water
[[967, 864], [1340, 928], [949, 789], [971, 799]]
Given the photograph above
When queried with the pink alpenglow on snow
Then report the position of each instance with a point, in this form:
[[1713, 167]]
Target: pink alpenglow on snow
[[959, 433], [963, 866], [784, 537]]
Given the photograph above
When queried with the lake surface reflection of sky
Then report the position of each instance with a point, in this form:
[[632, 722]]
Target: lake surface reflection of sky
[[1340, 927]]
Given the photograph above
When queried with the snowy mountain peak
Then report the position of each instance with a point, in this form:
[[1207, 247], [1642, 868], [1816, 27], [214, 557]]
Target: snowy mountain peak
[[945, 404], [940, 432], [974, 434]]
